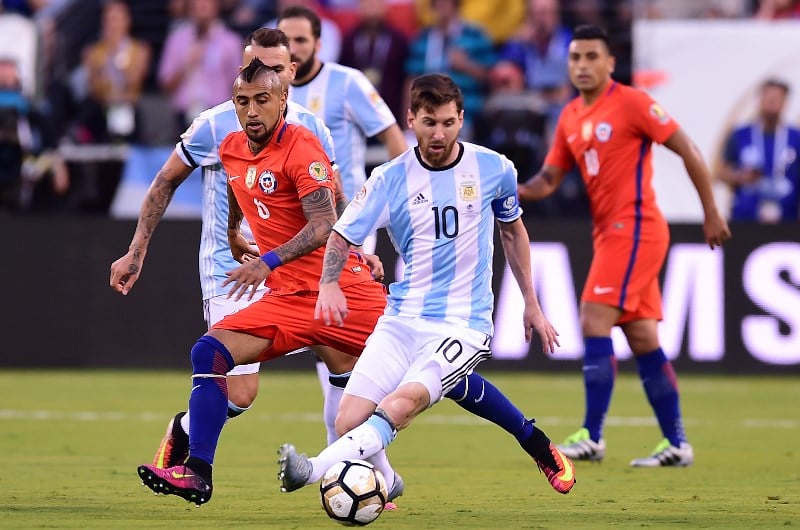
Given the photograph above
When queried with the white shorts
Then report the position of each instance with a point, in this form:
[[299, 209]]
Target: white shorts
[[218, 307], [403, 350]]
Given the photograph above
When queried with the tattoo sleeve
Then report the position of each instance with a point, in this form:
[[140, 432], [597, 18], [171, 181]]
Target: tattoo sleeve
[[318, 210], [155, 203], [235, 214], [336, 254]]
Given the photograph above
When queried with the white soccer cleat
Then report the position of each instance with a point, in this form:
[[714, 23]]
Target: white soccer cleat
[[667, 455], [579, 446]]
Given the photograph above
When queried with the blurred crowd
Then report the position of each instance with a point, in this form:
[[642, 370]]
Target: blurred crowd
[[103, 74]]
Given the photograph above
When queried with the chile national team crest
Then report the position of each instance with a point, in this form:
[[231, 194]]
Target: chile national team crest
[[250, 177], [603, 131], [267, 182]]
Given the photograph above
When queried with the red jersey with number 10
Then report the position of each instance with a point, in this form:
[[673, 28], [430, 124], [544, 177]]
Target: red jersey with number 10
[[268, 187], [611, 141]]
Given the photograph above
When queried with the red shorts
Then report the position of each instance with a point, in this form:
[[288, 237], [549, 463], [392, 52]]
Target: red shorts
[[624, 274], [288, 320]]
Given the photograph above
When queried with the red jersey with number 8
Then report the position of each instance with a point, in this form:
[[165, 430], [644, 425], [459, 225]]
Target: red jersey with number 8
[[268, 187]]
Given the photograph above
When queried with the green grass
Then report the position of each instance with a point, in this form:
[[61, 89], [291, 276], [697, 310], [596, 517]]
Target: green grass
[[70, 443]]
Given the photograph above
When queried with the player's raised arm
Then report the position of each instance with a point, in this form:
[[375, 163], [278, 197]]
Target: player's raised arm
[[125, 271], [715, 228]]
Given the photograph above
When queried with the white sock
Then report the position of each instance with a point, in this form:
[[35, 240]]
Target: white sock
[[323, 375], [360, 443], [381, 463], [185, 423], [329, 410]]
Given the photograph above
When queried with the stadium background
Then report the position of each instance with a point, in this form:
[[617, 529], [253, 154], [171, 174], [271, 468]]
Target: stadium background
[[735, 311]]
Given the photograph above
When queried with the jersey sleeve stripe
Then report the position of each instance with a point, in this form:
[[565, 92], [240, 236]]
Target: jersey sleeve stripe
[[188, 156]]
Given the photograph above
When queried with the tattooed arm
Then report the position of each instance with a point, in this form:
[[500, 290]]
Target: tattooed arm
[[331, 302], [242, 249], [318, 210], [125, 271], [320, 216]]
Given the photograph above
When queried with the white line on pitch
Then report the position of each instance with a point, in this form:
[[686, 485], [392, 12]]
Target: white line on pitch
[[432, 419]]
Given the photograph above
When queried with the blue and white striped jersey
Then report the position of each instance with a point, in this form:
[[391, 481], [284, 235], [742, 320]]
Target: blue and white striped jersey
[[441, 221], [199, 146], [352, 109]]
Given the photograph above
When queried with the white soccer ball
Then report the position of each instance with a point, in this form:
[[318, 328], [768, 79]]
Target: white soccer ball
[[353, 492]]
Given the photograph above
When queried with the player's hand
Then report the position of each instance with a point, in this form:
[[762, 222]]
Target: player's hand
[[536, 321], [249, 275], [125, 271], [331, 304], [242, 249], [716, 230], [375, 266]]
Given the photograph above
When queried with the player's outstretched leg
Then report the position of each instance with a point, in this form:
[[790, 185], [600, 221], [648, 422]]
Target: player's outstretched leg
[[480, 397], [208, 400]]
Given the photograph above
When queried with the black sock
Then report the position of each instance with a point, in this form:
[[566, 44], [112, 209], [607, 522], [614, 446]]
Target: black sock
[[199, 466], [538, 445], [180, 439]]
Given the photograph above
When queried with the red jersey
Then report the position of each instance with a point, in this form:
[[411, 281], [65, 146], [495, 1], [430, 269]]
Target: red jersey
[[611, 141], [268, 187]]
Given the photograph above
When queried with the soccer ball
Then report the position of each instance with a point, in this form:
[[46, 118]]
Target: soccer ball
[[353, 492]]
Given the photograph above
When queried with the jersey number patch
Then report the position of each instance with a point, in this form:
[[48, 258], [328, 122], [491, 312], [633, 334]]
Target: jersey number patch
[[263, 211], [445, 222], [592, 161]]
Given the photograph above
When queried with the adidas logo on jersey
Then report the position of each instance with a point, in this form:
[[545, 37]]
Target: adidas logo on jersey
[[419, 199]]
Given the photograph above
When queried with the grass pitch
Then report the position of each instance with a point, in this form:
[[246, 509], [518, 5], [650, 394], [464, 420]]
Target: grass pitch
[[70, 442]]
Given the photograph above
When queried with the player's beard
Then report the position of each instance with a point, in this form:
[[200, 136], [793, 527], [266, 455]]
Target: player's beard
[[438, 158], [304, 67], [259, 141]]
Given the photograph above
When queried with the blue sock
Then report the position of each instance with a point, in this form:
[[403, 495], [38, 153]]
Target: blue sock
[[208, 402], [478, 396], [599, 372], [661, 387]]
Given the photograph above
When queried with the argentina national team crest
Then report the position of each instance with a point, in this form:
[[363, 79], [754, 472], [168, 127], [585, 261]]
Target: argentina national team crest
[[267, 181], [469, 190], [250, 177]]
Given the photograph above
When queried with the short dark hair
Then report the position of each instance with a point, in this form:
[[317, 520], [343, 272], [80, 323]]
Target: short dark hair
[[255, 69], [306, 13], [774, 82], [591, 32], [267, 38], [434, 90]]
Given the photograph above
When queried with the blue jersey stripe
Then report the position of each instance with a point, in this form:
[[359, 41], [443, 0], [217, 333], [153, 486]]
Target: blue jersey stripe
[[442, 223], [637, 226]]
